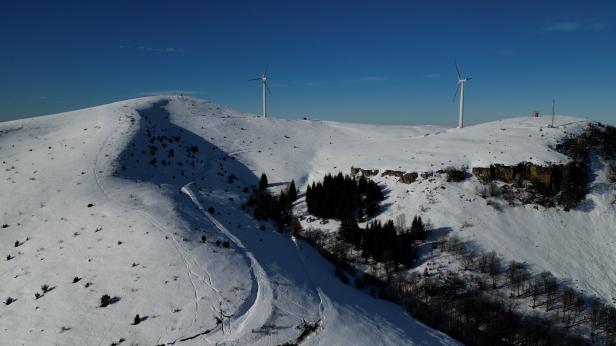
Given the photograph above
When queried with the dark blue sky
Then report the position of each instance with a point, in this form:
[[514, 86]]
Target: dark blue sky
[[367, 61]]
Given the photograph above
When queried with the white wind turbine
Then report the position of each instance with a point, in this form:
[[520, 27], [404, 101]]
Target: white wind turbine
[[266, 90], [460, 87]]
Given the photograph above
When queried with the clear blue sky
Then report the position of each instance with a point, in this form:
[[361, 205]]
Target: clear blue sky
[[367, 61]]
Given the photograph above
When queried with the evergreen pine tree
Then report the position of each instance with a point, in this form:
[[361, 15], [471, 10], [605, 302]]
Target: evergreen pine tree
[[292, 191], [284, 204], [263, 182]]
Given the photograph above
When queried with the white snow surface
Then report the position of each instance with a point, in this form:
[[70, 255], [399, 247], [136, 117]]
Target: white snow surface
[[265, 283], [85, 212]]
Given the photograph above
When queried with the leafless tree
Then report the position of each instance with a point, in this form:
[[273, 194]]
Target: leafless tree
[[468, 260], [494, 267], [594, 317], [567, 299], [550, 286], [536, 289]]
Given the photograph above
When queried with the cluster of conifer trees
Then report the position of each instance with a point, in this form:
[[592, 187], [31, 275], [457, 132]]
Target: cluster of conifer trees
[[343, 197], [383, 242], [269, 207]]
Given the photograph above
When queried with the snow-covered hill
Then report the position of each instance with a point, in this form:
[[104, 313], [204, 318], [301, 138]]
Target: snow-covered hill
[[576, 245], [118, 196], [88, 212]]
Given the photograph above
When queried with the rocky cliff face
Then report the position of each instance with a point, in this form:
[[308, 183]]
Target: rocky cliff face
[[546, 179], [451, 173], [564, 184], [561, 184]]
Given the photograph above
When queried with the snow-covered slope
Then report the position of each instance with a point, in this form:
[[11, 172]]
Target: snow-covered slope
[[576, 246], [84, 194], [114, 200]]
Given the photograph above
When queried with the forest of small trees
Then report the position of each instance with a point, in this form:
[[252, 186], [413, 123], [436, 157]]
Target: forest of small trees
[[476, 303], [383, 242], [344, 197], [267, 206], [350, 200]]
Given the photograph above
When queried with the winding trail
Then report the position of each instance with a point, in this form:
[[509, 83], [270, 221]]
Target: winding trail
[[260, 299]]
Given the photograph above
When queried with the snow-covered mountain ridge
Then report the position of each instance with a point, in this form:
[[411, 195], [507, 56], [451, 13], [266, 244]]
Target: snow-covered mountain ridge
[[118, 196], [90, 209]]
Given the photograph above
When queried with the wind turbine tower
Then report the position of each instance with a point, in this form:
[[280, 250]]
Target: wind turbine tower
[[553, 111], [266, 90], [460, 87]]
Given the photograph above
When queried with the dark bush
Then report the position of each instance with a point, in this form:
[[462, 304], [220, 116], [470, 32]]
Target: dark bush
[[105, 300], [210, 210], [611, 173], [573, 184], [454, 175], [360, 282], [225, 244], [342, 276], [231, 178]]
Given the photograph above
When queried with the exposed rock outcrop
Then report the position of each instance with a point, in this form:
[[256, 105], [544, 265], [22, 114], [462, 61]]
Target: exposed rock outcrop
[[567, 183], [453, 174], [366, 172], [403, 177], [547, 179], [408, 178], [426, 175]]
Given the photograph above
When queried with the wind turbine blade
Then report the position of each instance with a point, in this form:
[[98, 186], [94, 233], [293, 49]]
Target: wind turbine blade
[[456, 93], [268, 89], [468, 78], [458, 71], [258, 78], [266, 68]]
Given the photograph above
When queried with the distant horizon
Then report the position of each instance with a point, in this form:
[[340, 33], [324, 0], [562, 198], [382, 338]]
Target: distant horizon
[[468, 122], [364, 62]]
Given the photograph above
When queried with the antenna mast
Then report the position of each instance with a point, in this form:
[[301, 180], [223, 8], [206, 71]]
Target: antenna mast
[[553, 110]]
